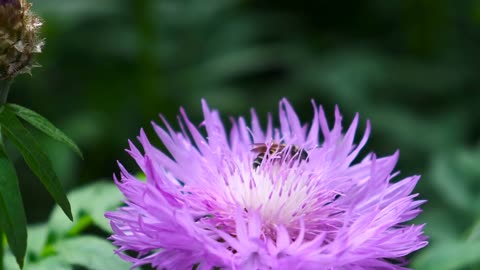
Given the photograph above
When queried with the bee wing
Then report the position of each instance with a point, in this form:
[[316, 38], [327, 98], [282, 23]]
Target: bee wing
[[259, 147]]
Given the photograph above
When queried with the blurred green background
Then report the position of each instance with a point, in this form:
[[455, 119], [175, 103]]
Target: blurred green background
[[411, 66]]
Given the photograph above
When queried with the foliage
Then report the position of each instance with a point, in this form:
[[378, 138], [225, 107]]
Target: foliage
[[13, 220], [60, 244]]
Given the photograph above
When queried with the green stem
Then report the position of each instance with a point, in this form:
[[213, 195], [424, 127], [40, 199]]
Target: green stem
[[4, 89]]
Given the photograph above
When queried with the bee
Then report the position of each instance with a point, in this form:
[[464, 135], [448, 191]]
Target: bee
[[282, 149]]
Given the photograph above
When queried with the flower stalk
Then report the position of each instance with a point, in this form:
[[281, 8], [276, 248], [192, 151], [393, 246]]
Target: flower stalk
[[4, 90]]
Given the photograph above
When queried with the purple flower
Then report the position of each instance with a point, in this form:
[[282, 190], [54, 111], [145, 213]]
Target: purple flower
[[280, 198]]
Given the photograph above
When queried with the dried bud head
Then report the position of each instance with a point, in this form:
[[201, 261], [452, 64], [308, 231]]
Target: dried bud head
[[19, 39], [11, 2]]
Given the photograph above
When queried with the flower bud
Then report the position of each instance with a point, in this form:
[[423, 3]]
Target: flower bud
[[12, 2], [19, 39]]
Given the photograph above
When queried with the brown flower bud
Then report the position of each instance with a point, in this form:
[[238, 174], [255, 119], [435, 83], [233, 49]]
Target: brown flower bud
[[19, 39]]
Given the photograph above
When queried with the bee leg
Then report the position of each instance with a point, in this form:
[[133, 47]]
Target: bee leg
[[303, 155], [334, 199]]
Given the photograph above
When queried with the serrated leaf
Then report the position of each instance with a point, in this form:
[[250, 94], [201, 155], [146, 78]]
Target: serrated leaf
[[37, 238], [36, 160], [90, 201], [42, 124], [2, 245], [9, 261], [448, 256], [474, 233], [91, 252], [50, 263], [441, 225], [451, 184], [12, 213]]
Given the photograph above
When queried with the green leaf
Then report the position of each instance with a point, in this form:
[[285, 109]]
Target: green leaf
[[474, 233], [9, 261], [448, 256], [2, 245], [91, 252], [34, 157], [451, 184], [37, 238], [441, 226], [42, 124], [89, 206], [12, 215], [50, 263]]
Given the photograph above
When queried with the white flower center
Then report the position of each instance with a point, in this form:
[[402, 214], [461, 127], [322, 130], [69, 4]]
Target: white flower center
[[277, 194]]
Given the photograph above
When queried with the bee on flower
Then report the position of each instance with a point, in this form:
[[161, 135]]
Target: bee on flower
[[249, 197], [282, 152]]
